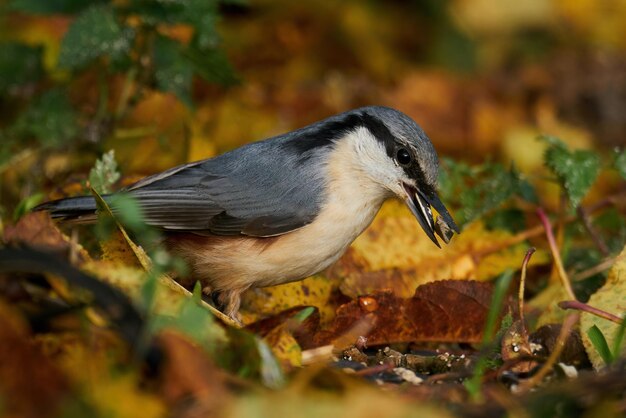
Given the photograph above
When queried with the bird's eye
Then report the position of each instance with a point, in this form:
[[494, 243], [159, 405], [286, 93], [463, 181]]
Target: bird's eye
[[403, 157]]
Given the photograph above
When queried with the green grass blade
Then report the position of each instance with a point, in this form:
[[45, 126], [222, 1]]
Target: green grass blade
[[600, 344]]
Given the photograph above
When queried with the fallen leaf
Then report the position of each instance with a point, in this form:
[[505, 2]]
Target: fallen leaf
[[610, 298], [547, 303], [189, 381], [103, 386], [30, 384], [442, 311], [314, 291], [393, 254], [303, 329], [285, 347], [37, 229]]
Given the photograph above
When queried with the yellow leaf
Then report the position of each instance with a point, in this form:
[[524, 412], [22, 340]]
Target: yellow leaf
[[610, 298], [547, 302], [395, 243], [285, 347], [112, 392], [313, 291]]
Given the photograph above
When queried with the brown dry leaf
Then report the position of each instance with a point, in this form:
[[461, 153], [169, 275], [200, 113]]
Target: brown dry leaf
[[189, 381], [37, 229], [393, 254], [444, 311], [610, 298], [30, 384], [515, 346]]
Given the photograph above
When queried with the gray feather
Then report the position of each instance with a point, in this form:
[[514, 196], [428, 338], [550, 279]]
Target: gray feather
[[251, 190], [263, 189]]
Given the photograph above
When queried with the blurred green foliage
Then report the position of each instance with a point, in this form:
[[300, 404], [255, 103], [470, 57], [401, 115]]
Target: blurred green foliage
[[481, 189], [576, 171], [109, 39]]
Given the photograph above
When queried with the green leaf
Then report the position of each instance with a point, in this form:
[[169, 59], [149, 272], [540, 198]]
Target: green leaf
[[19, 65], [600, 344], [127, 210], [194, 321], [173, 72], [51, 6], [576, 171], [211, 64], [95, 33], [620, 162], [478, 190], [51, 119], [26, 205], [202, 15], [104, 173]]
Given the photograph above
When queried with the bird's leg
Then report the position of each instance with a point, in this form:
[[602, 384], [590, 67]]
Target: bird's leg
[[229, 302]]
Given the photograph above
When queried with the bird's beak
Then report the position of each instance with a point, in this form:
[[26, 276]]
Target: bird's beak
[[420, 203]]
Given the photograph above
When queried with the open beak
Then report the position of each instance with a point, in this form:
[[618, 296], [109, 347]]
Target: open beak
[[420, 203]]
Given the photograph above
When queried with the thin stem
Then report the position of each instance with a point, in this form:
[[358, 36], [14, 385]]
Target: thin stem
[[522, 284], [595, 236], [599, 268], [579, 306], [555, 253]]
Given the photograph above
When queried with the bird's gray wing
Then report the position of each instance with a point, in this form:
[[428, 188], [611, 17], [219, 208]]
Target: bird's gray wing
[[261, 190]]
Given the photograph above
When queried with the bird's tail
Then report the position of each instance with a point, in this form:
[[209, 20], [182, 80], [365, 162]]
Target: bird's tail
[[81, 209]]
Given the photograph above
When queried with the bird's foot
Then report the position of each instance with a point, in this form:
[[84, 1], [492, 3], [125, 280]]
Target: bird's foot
[[229, 301]]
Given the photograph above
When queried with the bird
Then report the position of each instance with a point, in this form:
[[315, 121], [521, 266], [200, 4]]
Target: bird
[[287, 207]]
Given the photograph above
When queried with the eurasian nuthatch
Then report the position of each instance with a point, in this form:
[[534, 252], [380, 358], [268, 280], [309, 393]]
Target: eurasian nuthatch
[[282, 209]]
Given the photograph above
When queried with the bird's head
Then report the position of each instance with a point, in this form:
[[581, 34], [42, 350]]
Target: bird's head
[[397, 154]]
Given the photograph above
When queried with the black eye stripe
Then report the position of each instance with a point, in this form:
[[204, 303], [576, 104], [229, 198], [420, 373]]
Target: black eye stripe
[[323, 135], [382, 133]]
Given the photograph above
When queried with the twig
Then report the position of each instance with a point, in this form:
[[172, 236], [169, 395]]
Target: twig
[[579, 306], [599, 268], [566, 329], [520, 295], [321, 354], [538, 229], [555, 253], [597, 239], [379, 368]]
